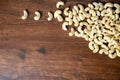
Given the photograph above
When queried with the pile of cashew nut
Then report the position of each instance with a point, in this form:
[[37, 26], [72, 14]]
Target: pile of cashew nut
[[97, 23]]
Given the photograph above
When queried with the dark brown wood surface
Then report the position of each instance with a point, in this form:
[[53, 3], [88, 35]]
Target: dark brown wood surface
[[41, 50]]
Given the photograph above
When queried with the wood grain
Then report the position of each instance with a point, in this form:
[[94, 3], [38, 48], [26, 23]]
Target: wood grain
[[41, 50]]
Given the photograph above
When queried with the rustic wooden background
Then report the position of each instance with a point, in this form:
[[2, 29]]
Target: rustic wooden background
[[41, 50]]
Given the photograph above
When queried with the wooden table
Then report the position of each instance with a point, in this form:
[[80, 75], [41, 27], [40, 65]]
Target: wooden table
[[41, 50]]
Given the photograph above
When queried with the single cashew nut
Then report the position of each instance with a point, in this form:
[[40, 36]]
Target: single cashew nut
[[25, 15], [117, 6], [76, 8], [108, 5], [96, 48], [112, 55], [91, 45], [66, 11], [59, 4], [50, 16], [64, 26], [38, 15], [103, 51]]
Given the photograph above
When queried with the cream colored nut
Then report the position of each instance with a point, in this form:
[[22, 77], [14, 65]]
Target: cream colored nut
[[107, 5], [66, 11], [101, 6], [38, 15], [81, 8], [117, 6], [59, 4], [85, 24], [80, 30], [81, 16], [101, 51], [96, 5], [112, 55], [74, 11], [70, 15], [57, 13], [64, 26], [116, 16], [25, 15], [90, 6], [91, 45], [76, 8], [50, 16], [96, 48], [59, 18]]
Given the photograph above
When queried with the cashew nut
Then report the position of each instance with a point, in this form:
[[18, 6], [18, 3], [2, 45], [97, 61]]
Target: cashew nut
[[25, 15], [38, 15], [50, 16], [59, 4]]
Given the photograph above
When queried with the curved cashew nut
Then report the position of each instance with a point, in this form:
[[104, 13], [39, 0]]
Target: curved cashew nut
[[64, 26], [74, 12], [100, 6], [96, 48], [38, 15], [50, 16], [112, 55], [108, 5], [76, 8], [25, 15], [96, 5], [59, 4], [103, 51], [117, 6], [90, 6], [81, 8], [66, 11], [91, 45]]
